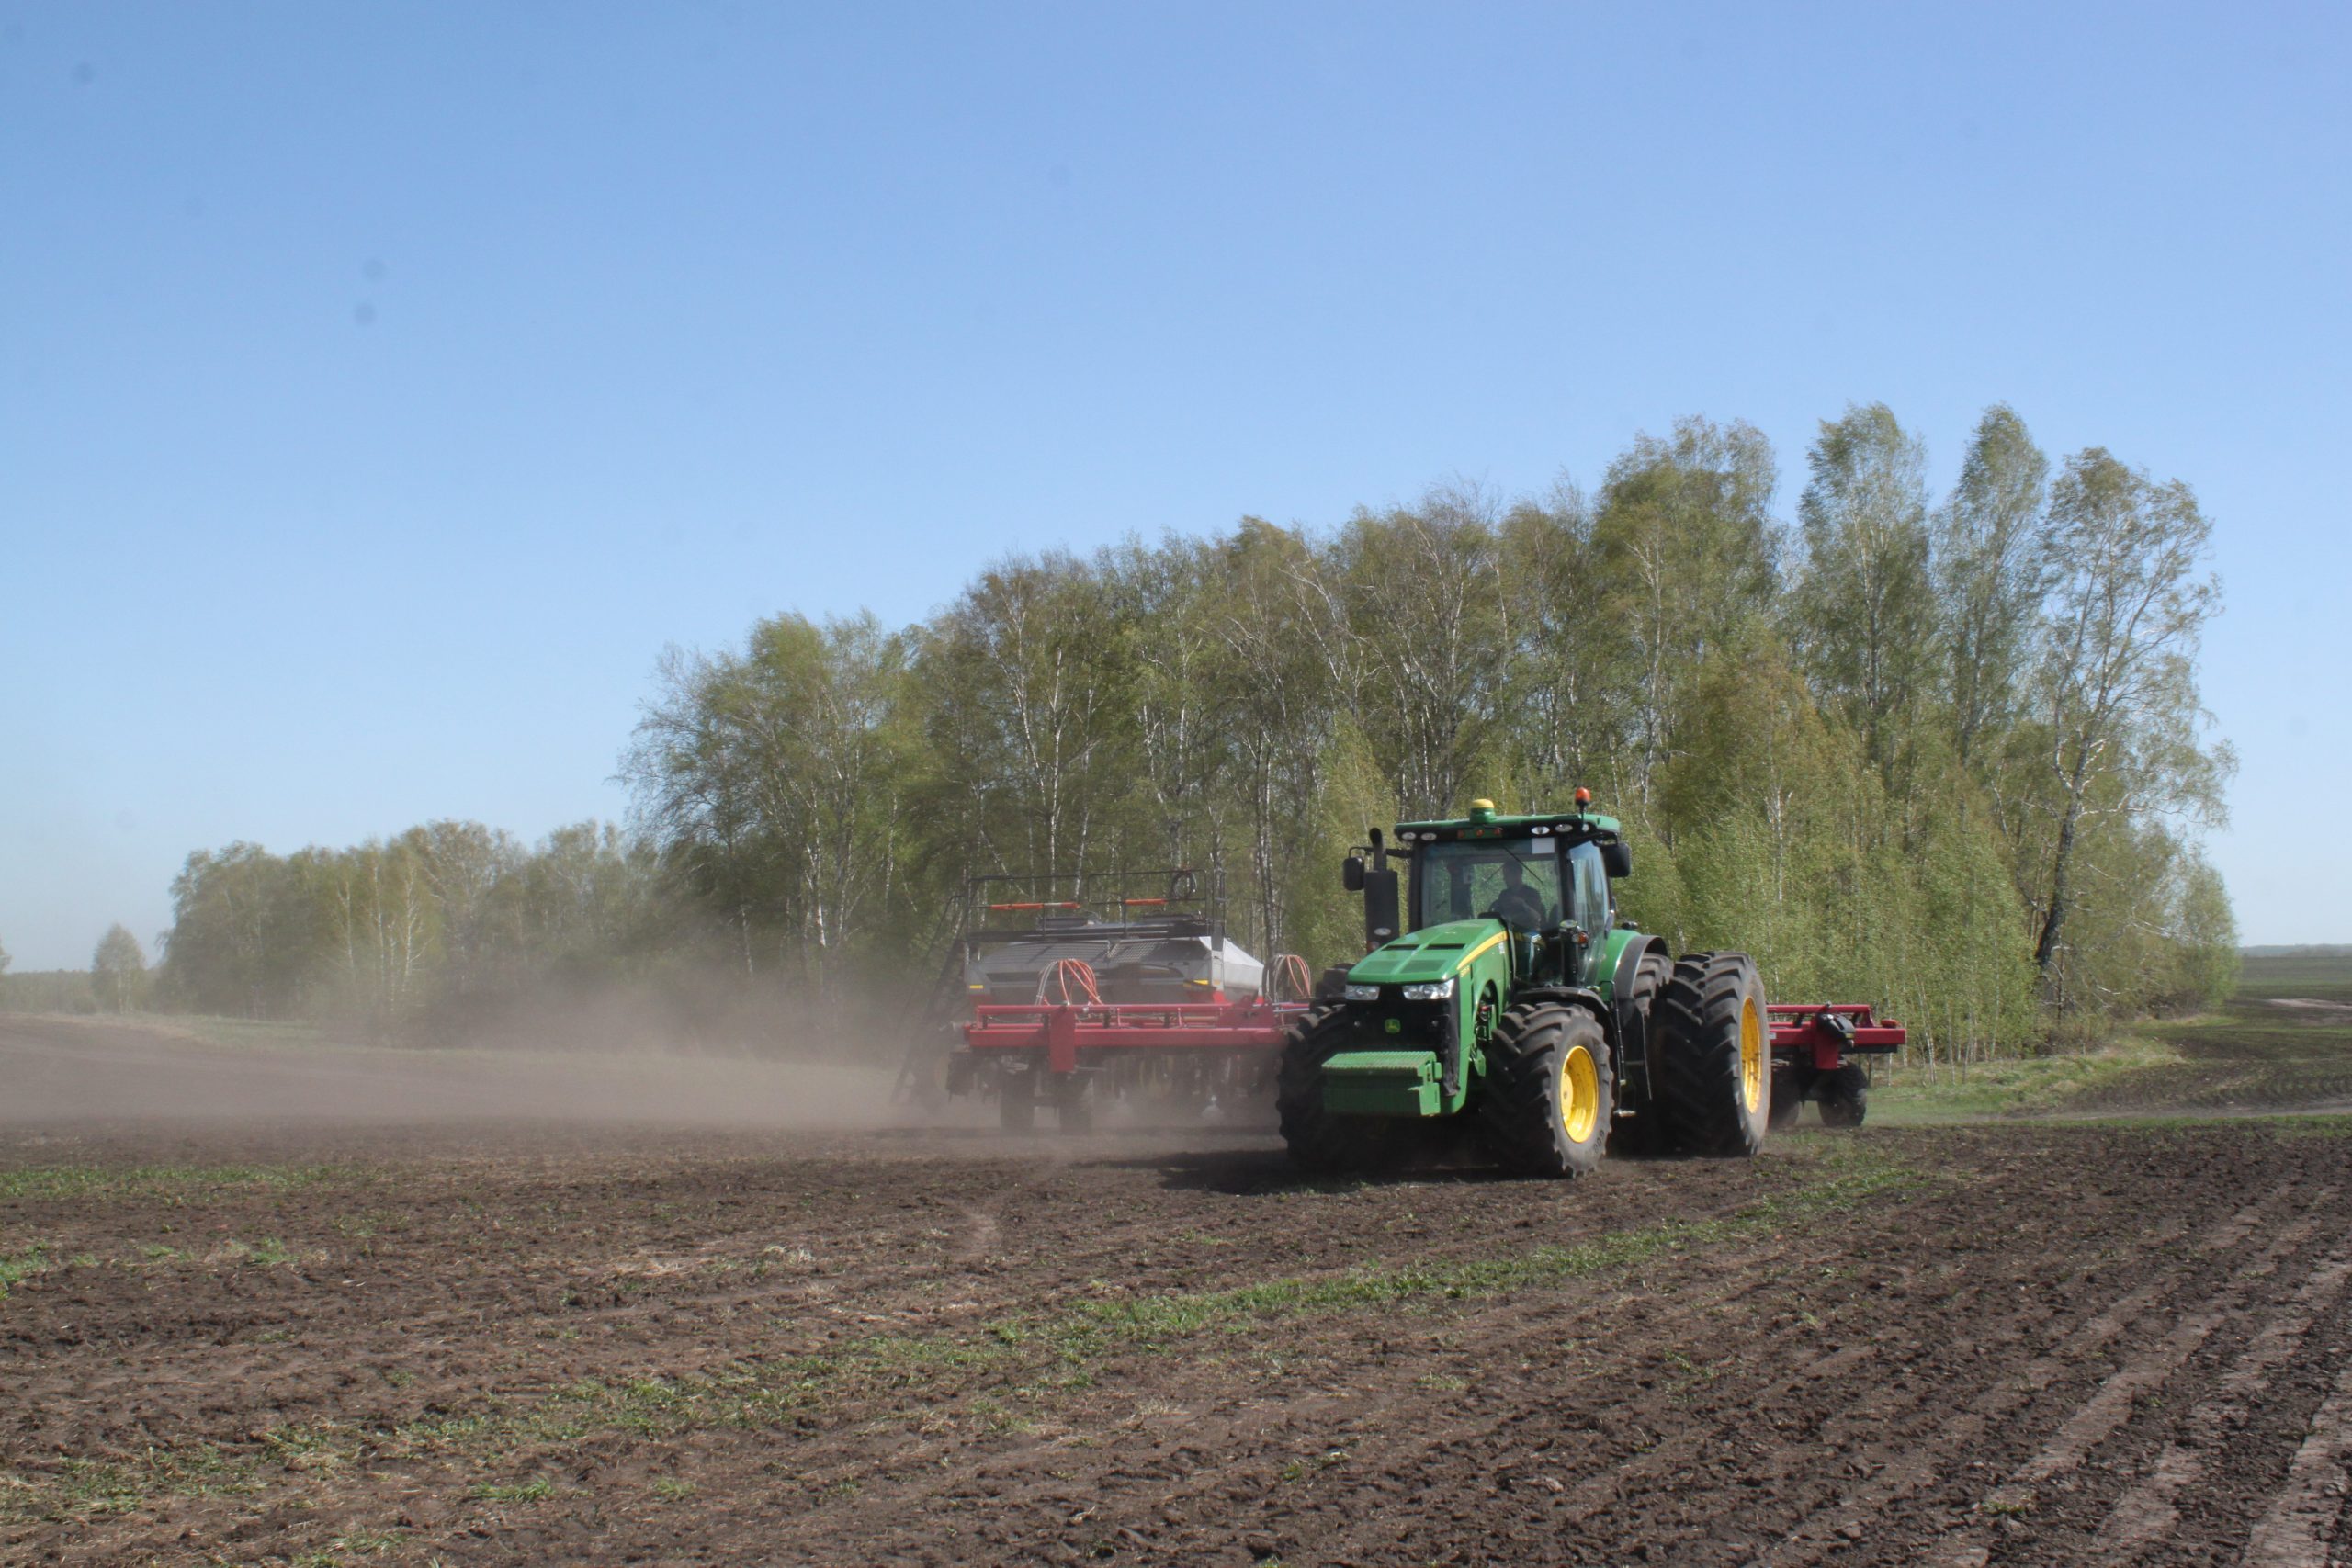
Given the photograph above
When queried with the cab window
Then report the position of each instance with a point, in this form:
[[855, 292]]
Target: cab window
[[1590, 890], [1516, 879]]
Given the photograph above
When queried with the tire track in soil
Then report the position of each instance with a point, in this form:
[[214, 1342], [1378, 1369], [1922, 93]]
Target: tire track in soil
[[1792, 1464], [1663, 1460], [1667, 1457], [2147, 1513], [1903, 1464], [2307, 1515], [1262, 1436], [1272, 1434], [2112, 1404]]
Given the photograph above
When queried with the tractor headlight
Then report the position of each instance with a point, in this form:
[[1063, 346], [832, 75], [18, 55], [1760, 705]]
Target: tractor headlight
[[1362, 993], [1435, 991]]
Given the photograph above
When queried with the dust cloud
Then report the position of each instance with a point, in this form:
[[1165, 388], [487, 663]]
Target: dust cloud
[[69, 1069]]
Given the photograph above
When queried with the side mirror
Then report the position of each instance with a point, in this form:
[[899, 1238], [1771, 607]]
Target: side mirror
[[1351, 874], [1617, 860]]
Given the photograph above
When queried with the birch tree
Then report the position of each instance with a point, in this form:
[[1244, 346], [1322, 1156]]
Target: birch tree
[[1991, 557], [119, 970], [1427, 622], [1863, 606], [2118, 684], [1685, 568]]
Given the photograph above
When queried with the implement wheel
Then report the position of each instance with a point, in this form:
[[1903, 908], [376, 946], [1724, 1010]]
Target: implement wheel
[[1549, 1090], [1017, 1101], [1713, 1068], [1845, 1096], [1318, 1140], [1789, 1084]]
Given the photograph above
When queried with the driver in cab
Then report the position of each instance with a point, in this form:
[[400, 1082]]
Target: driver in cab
[[1518, 905]]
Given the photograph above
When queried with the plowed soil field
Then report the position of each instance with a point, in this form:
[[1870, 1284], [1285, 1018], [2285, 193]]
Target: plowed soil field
[[342, 1331]]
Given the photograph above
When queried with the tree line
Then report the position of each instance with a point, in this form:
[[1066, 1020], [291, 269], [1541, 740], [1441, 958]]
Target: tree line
[[427, 935], [116, 981], [1941, 753]]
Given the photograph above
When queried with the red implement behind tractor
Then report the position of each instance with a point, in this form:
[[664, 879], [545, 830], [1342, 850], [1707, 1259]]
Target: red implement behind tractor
[[1810, 1044], [1107, 999]]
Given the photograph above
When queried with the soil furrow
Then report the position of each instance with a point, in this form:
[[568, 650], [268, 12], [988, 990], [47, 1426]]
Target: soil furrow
[[2297, 1529], [1905, 1465], [2149, 1512]]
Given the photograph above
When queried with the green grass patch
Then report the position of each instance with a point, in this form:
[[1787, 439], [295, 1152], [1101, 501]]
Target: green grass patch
[[2024, 1086], [1090, 1328], [81, 1488], [539, 1489], [13, 1270], [175, 1182]]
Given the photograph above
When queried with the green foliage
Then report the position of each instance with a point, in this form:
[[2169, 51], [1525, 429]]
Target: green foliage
[[771, 778], [2119, 713], [1863, 604], [48, 990], [413, 936], [118, 970], [1925, 755]]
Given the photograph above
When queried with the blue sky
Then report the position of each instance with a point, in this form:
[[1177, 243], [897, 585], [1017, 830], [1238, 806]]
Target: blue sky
[[382, 386]]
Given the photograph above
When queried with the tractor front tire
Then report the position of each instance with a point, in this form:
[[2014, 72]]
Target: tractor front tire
[[1549, 1090], [1845, 1096], [1711, 1064], [1318, 1141], [1017, 1101]]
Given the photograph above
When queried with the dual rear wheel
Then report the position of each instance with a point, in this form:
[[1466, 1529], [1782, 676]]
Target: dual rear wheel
[[1711, 1056], [1550, 1097]]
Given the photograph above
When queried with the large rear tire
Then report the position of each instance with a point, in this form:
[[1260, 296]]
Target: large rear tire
[[1318, 1140], [1638, 1135], [1549, 1090], [1712, 1056], [1845, 1096]]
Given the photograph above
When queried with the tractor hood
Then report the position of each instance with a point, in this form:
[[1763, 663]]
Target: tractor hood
[[1430, 955]]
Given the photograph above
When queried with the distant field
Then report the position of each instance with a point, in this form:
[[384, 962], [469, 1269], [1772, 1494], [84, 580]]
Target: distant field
[[2283, 1042], [2325, 977]]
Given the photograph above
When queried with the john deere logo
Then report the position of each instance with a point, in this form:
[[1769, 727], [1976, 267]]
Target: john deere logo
[[1395, 1026]]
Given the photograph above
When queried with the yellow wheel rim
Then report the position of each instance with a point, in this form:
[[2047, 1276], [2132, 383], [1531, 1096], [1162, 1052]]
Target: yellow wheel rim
[[1751, 1054], [1579, 1094]]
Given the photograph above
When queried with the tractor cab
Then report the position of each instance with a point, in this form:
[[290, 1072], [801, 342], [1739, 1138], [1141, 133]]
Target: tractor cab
[[1544, 877]]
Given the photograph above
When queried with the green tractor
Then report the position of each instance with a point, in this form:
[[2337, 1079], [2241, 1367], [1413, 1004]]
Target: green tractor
[[1515, 1006]]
